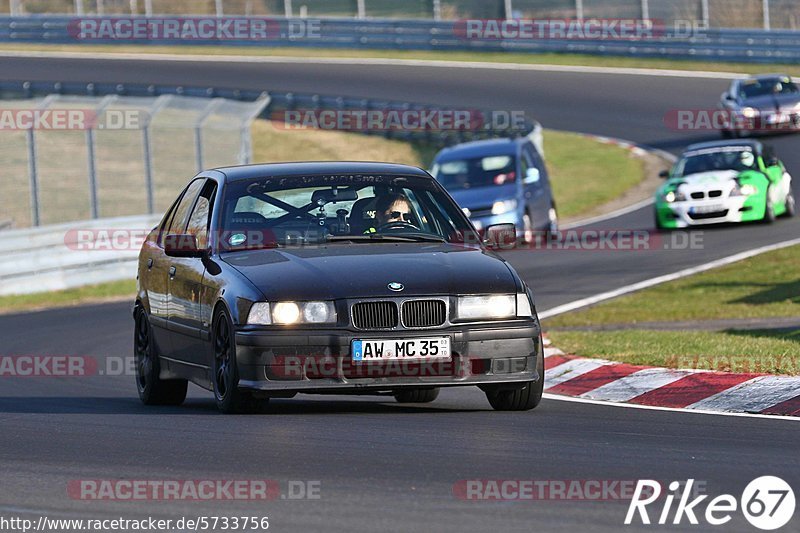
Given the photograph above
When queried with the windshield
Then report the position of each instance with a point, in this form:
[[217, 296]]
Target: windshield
[[477, 172], [756, 88], [271, 212], [736, 158]]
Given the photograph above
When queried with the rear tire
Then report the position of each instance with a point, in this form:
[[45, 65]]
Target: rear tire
[[790, 205], [552, 215], [230, 398], [417, 395], [152, 389], [523, 399]]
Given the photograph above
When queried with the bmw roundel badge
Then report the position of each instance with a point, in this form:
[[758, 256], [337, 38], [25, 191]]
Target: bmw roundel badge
[[396, 287]]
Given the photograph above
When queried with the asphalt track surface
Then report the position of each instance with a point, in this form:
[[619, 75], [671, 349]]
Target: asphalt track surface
[[384, 466]]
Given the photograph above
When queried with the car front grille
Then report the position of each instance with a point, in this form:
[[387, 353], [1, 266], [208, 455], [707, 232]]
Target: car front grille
[[375, 315], [424, 313], [714, 194], [698, 195], [704, 216]]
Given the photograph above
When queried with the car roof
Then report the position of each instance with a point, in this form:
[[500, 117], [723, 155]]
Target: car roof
[[762, 77], [486, 147], [755, 145], [317, 168]]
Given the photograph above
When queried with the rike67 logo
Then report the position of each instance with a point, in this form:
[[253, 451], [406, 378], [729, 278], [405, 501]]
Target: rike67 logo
[[767, 503]]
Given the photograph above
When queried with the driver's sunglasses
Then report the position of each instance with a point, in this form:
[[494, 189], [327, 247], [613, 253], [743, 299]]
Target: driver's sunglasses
[[400, 215]]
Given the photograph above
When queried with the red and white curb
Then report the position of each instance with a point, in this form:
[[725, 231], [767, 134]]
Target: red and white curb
[[597, 379]]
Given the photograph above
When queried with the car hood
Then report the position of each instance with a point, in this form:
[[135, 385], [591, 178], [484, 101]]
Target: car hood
[[365, 270], [483, 197], [771, 102], [712, 178]]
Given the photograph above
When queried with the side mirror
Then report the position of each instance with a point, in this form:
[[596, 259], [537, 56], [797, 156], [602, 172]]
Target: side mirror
[[500, 236], [771, 161], [182, 245], [664, 174], [532, 175], [727, 96]]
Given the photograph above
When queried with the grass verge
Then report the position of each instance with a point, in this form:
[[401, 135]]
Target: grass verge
[[585, 173], [767, 351], [764, 286], [103, 292], [490, 57]]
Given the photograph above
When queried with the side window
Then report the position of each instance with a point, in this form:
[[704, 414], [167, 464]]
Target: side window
[[178, 222], [200, 218], [530, 172]]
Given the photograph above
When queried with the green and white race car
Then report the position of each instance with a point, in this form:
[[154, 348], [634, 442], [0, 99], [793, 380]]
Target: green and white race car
[[724, 181]]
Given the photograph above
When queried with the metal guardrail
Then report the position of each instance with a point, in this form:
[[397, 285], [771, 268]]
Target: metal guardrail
[[278, 102], [756, 46]]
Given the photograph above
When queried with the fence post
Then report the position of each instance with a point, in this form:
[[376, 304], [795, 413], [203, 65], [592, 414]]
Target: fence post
[[579, 9], [219, 8], [148, 8], [134, 6], [147, 150], [246, 140], [767, 22], [14, 8], [198, 129], [33, 177], [79, 7], [287, 7], [437, 9], [705, 12], [362, 9], [101, 7], [509, 9], [645, 9]]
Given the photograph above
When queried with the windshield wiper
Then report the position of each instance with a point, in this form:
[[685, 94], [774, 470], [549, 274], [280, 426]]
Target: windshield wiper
[[386, 238]]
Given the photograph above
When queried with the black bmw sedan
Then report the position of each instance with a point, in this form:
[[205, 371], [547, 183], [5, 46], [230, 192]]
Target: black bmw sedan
[[265, 281]]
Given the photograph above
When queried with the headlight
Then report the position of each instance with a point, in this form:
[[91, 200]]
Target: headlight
[[504, 206], [748, 190], [749, 112], [487, 307], [287, 313], [674, 196]]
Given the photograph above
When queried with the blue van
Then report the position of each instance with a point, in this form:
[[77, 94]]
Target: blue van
[[499, 181]]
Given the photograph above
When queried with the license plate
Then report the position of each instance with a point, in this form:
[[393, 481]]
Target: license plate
[[702, 209], [401, 349]]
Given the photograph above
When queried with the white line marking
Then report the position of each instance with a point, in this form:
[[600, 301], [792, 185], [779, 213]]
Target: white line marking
[[557, 397], [144, 56], [578, 304], [753, 395], [571, 369], [548, 352], [636, 384]]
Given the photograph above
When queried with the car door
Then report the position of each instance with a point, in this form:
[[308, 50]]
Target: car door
[[186, 283], [154, 279], [535, 197], [777, 175], [176, 299]]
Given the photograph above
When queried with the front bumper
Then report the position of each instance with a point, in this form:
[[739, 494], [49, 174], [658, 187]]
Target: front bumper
[[714, 211], [320, 360]]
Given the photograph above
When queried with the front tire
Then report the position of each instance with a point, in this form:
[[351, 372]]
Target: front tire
[[769, 209], [524, 399], [152, 389], [417, 395], [552, 216], [230, 398]]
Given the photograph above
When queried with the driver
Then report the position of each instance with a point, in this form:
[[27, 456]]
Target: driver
[[391, 209]]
